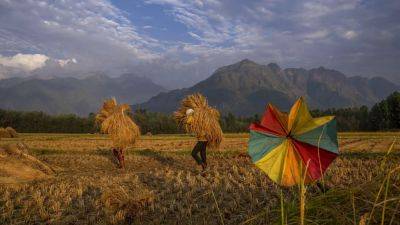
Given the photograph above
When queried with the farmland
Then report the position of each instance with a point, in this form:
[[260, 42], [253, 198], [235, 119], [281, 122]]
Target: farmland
[[162, 185]]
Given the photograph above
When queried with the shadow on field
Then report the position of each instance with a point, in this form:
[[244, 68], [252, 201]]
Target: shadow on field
[[107, 153], [368, 155], [161, 158], [78, 207]]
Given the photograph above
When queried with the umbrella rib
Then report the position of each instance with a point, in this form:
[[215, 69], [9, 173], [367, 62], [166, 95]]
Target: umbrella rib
[[319, 156], [276, 114]]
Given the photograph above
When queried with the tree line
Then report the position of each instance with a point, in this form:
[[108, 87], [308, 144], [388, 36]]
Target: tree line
[[383, 116]]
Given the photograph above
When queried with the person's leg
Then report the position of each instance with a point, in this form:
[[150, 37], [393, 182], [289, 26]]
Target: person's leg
[[119, 154], [203, 154], [122, 158], [116, 154], [195, 153]]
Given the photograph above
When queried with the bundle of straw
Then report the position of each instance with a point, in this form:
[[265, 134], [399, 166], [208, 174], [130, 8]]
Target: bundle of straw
[[4, 133], [204, 121], [115, 121], [108, 108], [13, 133]]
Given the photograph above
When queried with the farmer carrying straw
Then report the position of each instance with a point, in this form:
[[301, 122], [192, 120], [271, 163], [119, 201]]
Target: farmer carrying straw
[[115, 121], [196, 116]]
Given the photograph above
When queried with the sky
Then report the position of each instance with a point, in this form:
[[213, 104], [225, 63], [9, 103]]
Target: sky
[[180, 42]]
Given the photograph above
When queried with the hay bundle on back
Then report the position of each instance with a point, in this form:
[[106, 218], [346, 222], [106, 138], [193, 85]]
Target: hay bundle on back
[[4, 133], [13, 133], [204, 121], [108, 108], [114, 121], [122, 130]]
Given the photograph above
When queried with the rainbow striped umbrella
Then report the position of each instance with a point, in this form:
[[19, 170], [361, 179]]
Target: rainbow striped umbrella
[[289, 147]]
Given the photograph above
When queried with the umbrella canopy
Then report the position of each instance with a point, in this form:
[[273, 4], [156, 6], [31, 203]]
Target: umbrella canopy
[[289, 147]]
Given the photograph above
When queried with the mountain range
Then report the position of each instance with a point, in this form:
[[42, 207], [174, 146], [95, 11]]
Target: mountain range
[[244, 88], [72, 95]]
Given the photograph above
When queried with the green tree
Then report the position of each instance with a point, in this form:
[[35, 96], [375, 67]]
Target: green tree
[[379, 116], [393, 104]]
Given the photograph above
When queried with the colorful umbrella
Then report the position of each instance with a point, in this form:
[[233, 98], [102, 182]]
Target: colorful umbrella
[[295, 146]]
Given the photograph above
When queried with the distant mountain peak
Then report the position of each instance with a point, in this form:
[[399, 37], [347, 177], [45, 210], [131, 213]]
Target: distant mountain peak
[[99, 76], [246, 61], [72, 95], [245, 87], [131, 77], [244, 64], [274, 67], [128, 75], [241, 65]]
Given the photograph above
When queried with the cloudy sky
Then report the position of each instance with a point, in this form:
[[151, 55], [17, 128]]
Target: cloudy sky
[[179, 42]]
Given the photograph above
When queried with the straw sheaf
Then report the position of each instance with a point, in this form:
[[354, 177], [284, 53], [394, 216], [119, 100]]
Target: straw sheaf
[[13, 133], [4, 133], [108, 108], [204, 122], [8, 132], [115, 122]]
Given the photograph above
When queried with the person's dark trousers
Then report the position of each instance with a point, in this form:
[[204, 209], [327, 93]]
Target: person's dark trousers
[[119, 154], [201, 148]]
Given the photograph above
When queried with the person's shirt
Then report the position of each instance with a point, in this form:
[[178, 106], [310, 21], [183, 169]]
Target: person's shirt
[[201, 137]]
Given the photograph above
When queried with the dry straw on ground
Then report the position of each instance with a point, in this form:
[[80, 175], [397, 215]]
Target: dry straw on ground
[[4, 133], [204, 122], [161, 186], [17, 165], [8, 132], [13, 133]]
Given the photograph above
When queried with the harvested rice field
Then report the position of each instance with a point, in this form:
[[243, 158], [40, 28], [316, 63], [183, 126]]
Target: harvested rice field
[[161, 184]]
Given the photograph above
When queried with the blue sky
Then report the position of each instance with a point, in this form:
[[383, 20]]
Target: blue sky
[[179, 42], [154, 20]]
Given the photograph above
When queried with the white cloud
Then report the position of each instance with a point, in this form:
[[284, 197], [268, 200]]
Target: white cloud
[[351, 34], [102, 37], [196, 36], [267, 13], [166, 2], [95, 33], [319, 34], [246, 36], [314, 9], [25, 62], [64, 62]]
